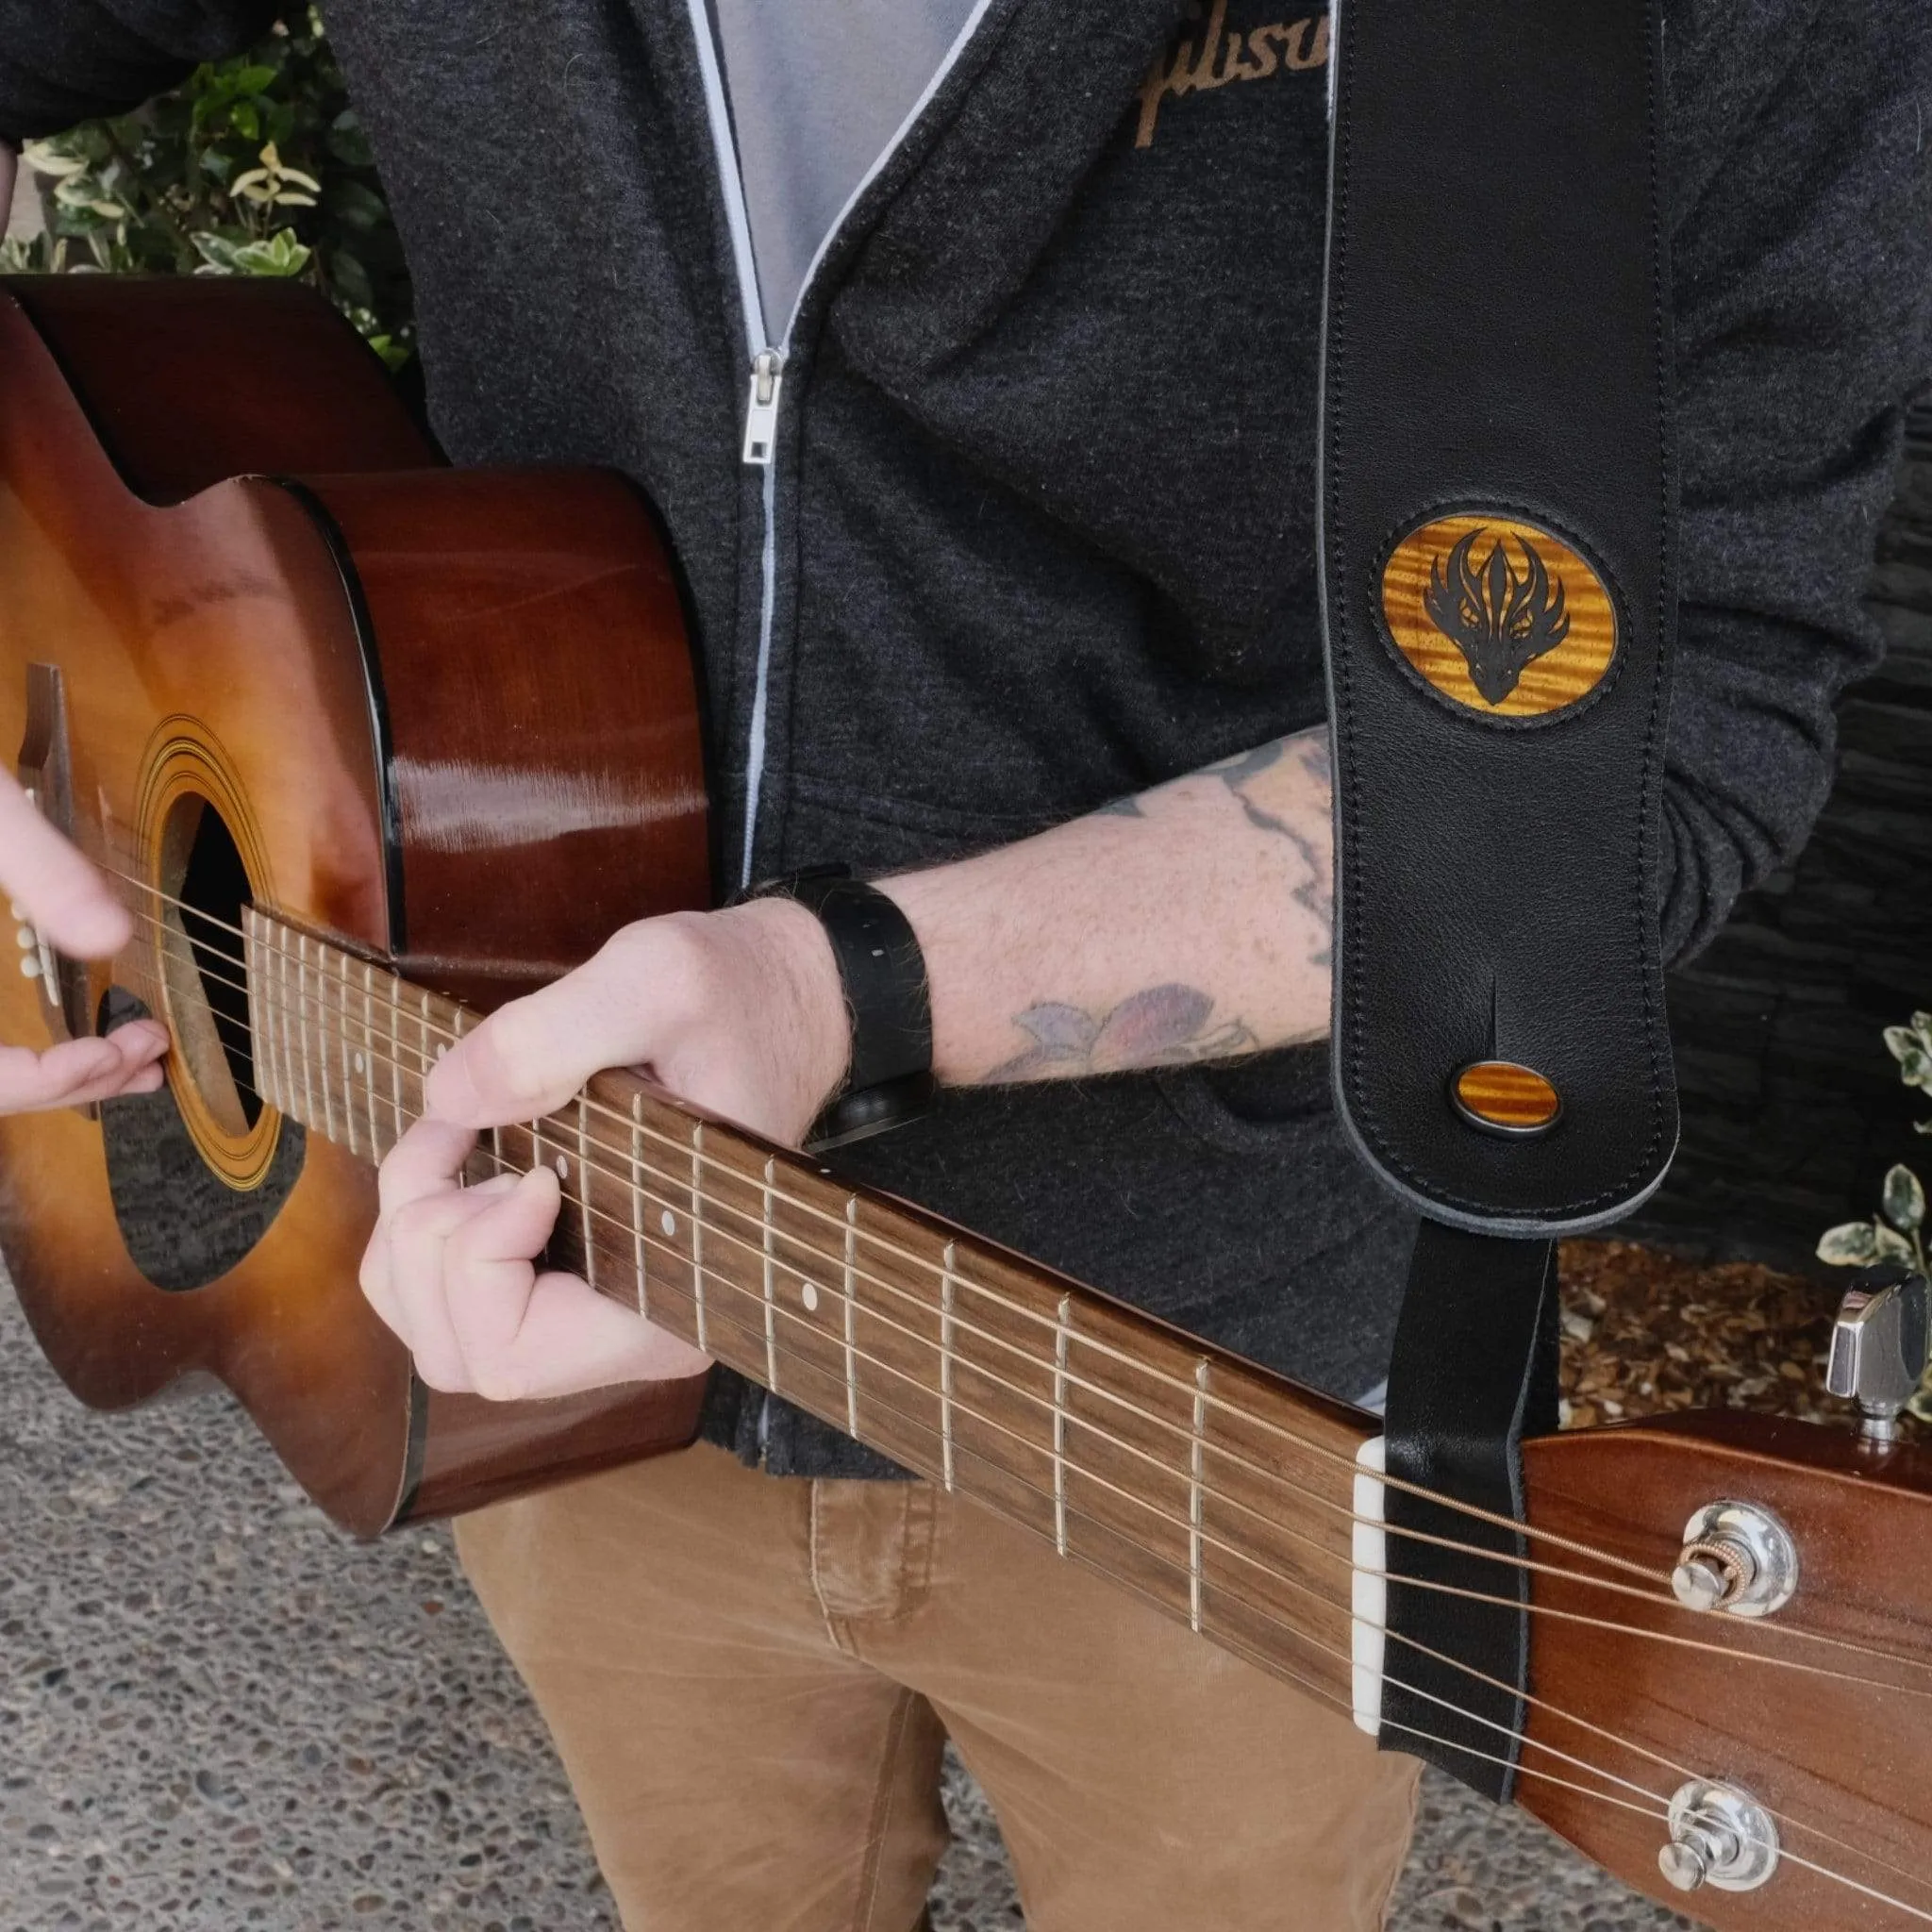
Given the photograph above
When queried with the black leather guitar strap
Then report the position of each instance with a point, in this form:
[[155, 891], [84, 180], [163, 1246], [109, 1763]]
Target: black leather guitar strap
[[1496, 504]]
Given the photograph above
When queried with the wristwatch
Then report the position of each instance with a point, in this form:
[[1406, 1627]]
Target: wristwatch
[[883, 972]]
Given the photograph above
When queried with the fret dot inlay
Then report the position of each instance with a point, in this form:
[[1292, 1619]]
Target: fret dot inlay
[[668, 1222], [562, 1167], [810, 1294]]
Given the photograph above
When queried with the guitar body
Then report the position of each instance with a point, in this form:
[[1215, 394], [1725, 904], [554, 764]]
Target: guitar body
[[448, 717]]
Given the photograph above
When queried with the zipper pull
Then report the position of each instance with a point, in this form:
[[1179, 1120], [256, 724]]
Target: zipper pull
[[761, 412]]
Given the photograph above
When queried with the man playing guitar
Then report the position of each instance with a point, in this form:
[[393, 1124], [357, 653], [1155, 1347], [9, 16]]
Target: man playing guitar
[[1001, 575]]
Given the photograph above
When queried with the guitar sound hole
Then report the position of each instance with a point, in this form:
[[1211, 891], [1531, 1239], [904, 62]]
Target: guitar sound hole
[[206, 975], [213, 891], [196, 1187]]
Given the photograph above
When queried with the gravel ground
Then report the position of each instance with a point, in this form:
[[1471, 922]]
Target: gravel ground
[[215, 1712]]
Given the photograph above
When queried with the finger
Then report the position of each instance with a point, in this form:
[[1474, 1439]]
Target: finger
[[526, 1336], [428, 1159], [72, 1072], [490, 1273], [419, 1236], [536, 1053], [594, 1345], [58, 890]]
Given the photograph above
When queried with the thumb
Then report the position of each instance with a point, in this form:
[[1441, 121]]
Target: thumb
[[535, 1053], [52, 885]]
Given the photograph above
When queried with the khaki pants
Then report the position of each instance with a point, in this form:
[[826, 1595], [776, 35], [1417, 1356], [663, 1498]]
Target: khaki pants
[[750, 1680]]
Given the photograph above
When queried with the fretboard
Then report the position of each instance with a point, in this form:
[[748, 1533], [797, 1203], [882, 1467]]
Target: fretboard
[[1219, 1493]]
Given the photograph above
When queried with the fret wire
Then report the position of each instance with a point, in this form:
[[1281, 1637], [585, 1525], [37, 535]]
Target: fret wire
[[1196, 1469], [369, 1048], [261, 1032], [348, 1082], [946, 1281], [697, 1224], [328, 1111], [851, 1302], [395, 1067], [1062, 1340], [301, 1025], [281, 946], [637, 1203], [584, 1193], [770, 1306]]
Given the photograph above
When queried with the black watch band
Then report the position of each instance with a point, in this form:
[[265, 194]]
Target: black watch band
[[883, 972]]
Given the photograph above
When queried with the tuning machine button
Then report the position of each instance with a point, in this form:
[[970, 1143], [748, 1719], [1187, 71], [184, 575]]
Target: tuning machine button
[[1878, 1346], [1720, 1836], [1738, 1560]]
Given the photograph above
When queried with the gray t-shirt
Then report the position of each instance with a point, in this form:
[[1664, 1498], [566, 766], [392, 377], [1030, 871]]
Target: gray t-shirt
[[818, 90]]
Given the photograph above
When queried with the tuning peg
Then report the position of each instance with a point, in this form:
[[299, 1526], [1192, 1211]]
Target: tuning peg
[[1720, 1836], [1878, 1347]]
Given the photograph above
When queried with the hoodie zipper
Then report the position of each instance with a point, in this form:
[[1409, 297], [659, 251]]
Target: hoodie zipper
[[767, 358]]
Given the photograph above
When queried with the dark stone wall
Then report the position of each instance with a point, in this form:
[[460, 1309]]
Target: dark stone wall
[[1792, 1106]]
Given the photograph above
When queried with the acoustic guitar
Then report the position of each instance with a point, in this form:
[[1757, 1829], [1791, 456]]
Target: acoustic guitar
[[371, 745]]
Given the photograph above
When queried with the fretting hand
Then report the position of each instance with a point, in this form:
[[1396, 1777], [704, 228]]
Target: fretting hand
[[57, 890], [739, 1012]]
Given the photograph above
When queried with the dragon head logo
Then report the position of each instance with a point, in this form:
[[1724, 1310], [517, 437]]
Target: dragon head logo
[[1501, 620]]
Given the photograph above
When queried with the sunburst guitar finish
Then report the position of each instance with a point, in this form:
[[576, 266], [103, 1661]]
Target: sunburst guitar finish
[[310, 694]]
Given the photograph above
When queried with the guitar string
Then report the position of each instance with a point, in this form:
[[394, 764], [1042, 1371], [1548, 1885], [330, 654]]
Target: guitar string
[[1595, 1771], [564, 1139], [326, 1007], [1105, 1435], [631, 1232], [421, 1021], [629, 1235]]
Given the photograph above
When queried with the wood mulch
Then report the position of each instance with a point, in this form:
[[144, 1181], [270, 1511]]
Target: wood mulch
[[1646, 1331]]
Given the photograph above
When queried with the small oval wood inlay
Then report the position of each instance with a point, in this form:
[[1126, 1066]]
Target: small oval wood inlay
[[1498, 615], [1506, 1098]]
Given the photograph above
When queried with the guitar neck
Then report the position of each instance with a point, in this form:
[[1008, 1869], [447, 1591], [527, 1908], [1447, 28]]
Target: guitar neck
[[1222, 1495]]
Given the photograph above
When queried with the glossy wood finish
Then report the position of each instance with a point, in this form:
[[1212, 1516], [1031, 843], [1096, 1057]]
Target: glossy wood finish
[[1823, 1712], [190, 380], [218, 631], [537, 698]]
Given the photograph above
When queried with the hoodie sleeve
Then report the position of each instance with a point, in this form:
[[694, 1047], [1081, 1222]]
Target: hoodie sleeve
[[1802, 268], [73, 60]]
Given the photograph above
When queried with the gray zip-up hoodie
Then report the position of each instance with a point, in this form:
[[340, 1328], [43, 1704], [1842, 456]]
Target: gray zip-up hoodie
[[1035, 526]]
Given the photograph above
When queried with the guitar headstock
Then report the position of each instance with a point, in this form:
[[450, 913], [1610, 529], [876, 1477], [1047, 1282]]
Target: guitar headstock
[[1796, 1707]]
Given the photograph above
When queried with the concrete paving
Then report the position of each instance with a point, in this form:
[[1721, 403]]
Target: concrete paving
[[217, 1713]]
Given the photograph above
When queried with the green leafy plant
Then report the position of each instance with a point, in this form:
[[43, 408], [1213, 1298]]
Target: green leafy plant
[[1897, 1232], [256, 166]]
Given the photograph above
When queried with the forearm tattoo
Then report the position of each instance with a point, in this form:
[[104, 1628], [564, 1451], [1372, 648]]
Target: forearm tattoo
[[1172, 1024], [1316, 893], [1163, 1026]]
